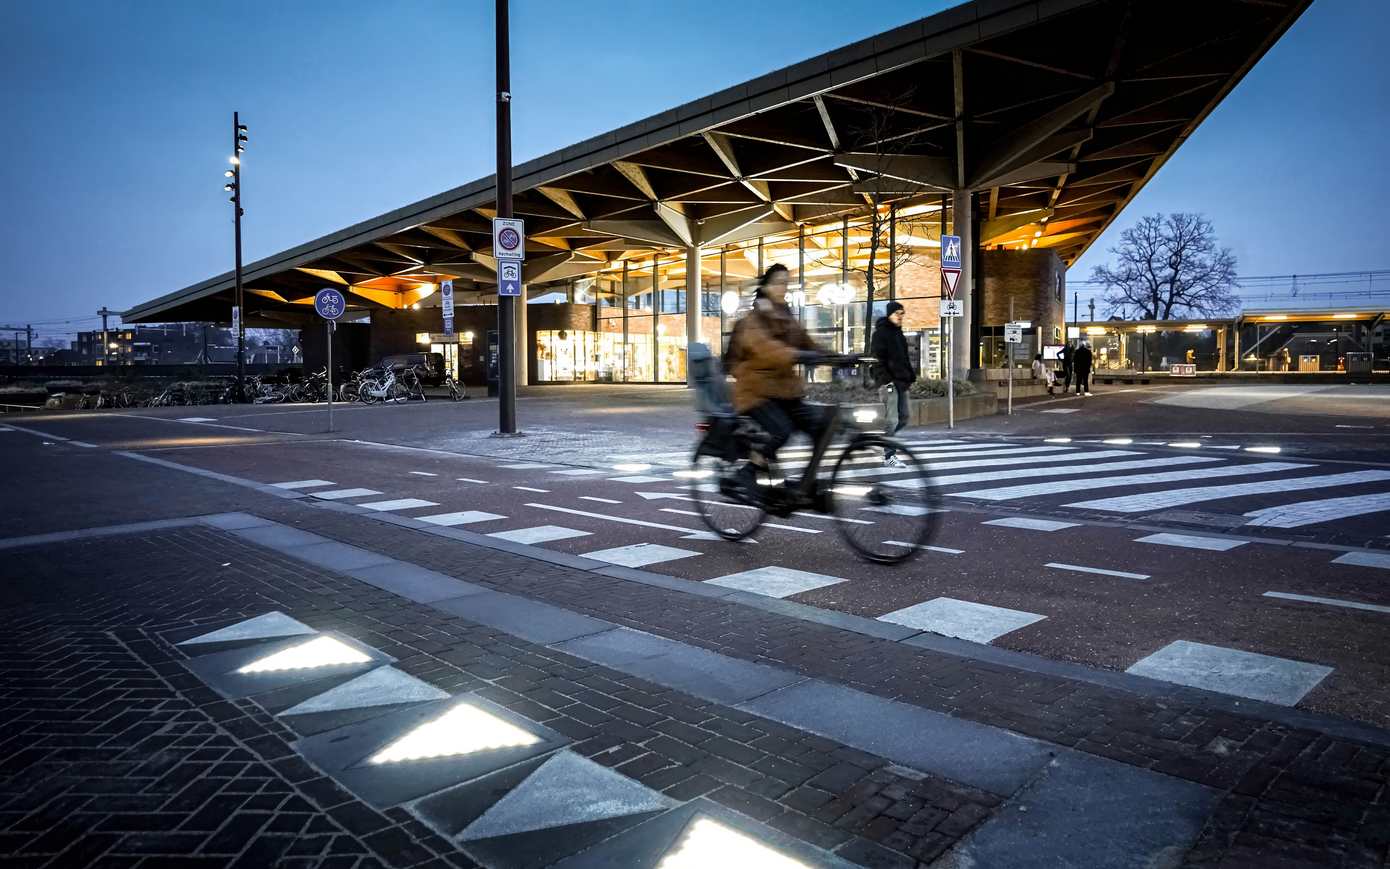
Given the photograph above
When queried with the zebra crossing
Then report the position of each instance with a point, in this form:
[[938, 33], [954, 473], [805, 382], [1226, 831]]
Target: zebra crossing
[[606, 515]]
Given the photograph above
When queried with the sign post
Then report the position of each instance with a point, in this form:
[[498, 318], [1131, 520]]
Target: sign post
[[1013, 336], [330, 305], [509, 248], [446, 305], [950, 309]]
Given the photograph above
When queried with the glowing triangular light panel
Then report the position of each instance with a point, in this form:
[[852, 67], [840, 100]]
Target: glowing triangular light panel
[[318, 652], [707, 843], [462, 730]]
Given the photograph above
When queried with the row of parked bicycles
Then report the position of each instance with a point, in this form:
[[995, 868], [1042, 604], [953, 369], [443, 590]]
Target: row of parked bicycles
[[379, 384]]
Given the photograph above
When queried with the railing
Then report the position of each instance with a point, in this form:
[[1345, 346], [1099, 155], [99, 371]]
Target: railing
[[1325, 290]]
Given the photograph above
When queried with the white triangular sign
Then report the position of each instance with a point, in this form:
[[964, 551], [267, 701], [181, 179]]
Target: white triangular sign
[[950, 277]]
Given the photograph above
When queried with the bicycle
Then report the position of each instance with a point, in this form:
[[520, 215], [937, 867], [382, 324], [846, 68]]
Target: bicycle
[[457, 391], [883, 520]]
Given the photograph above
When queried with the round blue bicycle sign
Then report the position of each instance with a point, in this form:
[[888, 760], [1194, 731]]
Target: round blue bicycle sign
[[330, 303]]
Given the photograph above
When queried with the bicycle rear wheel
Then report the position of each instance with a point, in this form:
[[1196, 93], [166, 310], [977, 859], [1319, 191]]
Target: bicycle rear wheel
[[885, 514], [722, 507]]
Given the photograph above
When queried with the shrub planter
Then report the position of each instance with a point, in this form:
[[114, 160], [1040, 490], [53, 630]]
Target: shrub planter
[[930, 411]]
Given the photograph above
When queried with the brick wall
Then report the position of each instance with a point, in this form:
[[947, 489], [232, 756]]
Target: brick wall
[[1031, 278]]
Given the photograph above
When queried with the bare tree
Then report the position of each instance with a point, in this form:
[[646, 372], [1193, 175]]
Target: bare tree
[[1168, 265]]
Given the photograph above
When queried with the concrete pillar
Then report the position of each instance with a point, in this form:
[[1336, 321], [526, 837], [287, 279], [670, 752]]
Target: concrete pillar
[[693, 294], [964, 357], [523, 341]]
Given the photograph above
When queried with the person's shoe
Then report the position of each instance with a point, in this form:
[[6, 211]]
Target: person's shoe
[[893, 462]]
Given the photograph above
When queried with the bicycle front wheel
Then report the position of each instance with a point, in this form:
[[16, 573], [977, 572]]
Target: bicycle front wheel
[[886, 513], [727, 511]]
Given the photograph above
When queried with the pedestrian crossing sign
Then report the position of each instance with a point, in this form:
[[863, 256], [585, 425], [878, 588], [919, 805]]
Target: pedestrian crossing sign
[[950, 252]]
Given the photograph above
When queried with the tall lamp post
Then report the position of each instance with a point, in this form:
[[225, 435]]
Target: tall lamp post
[[233, 186]]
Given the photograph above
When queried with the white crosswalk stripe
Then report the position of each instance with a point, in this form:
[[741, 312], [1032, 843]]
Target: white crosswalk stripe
[[1177, 497], [1007, 493], [1020, 456], [1303, 513], [1059, 470]]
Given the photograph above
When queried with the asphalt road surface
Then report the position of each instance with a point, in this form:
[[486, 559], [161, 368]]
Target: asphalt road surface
[[1157, 529]]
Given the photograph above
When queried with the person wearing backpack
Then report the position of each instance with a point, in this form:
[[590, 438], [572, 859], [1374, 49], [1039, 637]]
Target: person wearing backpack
[[893, 373]]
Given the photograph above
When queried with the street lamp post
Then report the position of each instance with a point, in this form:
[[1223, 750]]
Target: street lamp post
[[234, 187]]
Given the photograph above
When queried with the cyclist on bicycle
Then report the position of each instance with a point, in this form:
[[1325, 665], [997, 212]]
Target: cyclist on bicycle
[[764, 350]]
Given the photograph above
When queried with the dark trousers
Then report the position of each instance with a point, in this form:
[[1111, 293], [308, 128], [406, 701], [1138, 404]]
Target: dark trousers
[[781, 417], [1083, 380], [1066, 377], [899, 411]]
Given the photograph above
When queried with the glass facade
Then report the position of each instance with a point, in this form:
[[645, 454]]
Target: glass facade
[[836, 269]]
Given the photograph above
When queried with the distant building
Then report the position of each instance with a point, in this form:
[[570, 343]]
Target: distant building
[[181, 344]]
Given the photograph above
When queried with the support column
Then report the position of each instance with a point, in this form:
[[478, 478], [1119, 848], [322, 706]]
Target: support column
[[965, 357], [693, 294], [523, 368]]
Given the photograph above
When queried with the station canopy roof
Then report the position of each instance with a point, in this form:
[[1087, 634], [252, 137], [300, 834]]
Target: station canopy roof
[[1056, 112]]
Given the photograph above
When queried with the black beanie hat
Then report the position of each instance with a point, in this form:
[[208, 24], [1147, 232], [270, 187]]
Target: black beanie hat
[[893, 308]]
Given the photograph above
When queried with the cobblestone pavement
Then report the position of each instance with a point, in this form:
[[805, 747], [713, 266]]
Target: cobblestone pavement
[[115, 755]]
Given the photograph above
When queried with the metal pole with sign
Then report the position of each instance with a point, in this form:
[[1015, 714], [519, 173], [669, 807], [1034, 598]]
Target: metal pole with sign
[[950, 308], [330, 305], [502, 231]]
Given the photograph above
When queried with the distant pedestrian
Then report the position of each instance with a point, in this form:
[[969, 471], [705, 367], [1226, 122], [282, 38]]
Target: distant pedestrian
[[1082, 363], [1042, 372], [1066, 357], [893, 373]]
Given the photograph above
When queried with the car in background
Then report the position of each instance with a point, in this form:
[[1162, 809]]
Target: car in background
[[431, 365]]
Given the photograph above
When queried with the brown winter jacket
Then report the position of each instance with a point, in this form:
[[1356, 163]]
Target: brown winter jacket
[[762, 355]]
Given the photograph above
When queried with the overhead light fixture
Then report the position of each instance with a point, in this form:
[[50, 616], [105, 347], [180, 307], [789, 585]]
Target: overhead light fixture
[[1119, 442], [1272, 450], [229, 173], [1057, 440], [1185, 445], [234, 160], [728, 303]]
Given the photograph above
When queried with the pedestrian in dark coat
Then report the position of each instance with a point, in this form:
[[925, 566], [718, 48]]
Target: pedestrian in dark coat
[[1082, 362], [893, 372], [1066, 357]]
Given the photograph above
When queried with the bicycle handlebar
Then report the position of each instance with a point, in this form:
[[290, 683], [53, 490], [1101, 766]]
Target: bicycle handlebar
[[835, 359]]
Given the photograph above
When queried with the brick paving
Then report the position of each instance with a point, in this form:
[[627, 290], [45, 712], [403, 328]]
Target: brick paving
[[1291, 797], [114, 755]]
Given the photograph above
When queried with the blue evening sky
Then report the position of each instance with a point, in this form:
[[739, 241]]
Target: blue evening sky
[[118, 122]]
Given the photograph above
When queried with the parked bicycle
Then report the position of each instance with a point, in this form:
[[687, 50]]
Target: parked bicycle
[[457, 390], [883, 520], [381, 385]]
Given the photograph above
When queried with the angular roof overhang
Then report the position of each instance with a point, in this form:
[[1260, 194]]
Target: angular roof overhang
[[1056, 112]]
